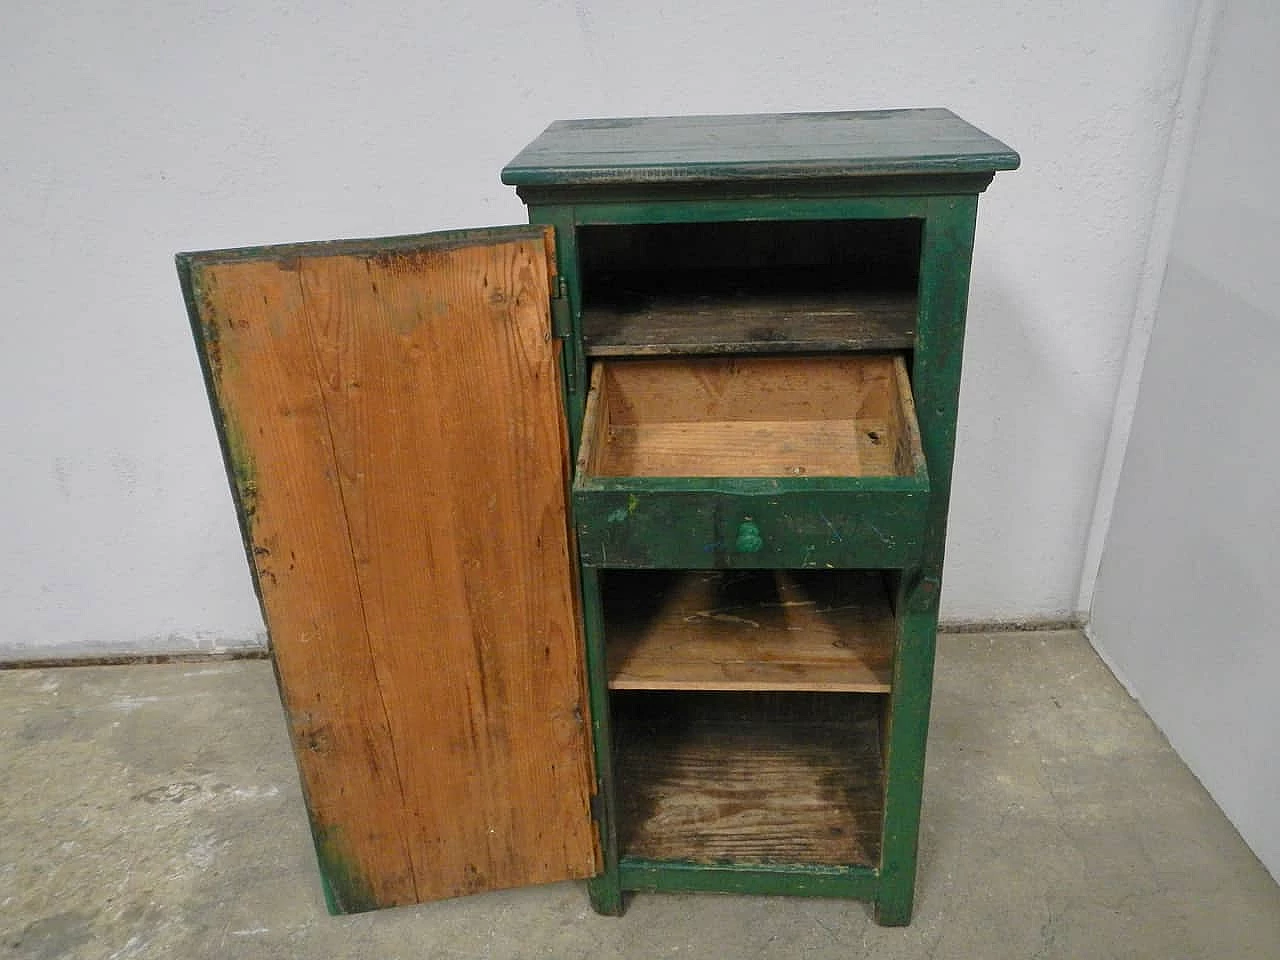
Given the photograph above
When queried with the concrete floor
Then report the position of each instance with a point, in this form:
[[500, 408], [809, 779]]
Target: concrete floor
[[154, 811]]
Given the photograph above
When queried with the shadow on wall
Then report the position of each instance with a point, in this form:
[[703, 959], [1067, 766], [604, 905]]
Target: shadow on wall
[[1023, 435], [1197, 531]]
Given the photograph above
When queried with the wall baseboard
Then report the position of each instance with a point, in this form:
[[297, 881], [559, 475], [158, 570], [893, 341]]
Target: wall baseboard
[[1020, 625], [133, 659], [1027, 625]]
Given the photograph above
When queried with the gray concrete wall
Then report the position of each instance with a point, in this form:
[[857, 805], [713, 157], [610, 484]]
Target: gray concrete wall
[[1186, 609]]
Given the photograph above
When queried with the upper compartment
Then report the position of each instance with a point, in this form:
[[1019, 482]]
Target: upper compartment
[[749, 286]]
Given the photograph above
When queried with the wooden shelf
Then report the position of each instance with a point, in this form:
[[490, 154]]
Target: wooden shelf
[[749, 778], [765, 324], [829, 630]]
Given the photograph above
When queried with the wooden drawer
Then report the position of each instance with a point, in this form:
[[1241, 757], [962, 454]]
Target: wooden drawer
[[750, 462]]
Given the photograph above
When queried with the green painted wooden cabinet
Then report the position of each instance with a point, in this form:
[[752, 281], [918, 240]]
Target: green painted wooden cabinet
[[611, 546], [764, 320]]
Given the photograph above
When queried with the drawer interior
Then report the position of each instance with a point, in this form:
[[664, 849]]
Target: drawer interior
[[777, 416]]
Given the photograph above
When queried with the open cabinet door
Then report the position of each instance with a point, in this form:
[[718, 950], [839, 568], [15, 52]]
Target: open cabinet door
[[391, 416]]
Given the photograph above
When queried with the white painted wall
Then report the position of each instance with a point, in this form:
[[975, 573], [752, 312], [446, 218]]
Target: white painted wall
[[133, 130], [1186, 608]]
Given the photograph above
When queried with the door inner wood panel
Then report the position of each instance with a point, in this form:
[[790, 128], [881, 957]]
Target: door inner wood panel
[[392, 417]]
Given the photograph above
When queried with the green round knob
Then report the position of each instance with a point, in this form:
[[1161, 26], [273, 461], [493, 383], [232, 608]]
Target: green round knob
[[749, 539]]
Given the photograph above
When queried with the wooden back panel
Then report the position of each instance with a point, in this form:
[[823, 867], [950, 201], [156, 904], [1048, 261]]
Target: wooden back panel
[[836, 387], [392, 420]]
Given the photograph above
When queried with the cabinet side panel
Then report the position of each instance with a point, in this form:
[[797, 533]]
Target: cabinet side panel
[[399, 453]]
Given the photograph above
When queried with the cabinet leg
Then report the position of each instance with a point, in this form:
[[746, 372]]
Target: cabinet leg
[[893, 909], [916, 605], [605, 894], [605, 889]]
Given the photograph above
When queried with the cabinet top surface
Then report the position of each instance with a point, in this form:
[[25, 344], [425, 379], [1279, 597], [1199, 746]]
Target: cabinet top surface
[[787, 146]]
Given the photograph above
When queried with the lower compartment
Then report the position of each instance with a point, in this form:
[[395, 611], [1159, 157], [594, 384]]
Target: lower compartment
[[749, 778]]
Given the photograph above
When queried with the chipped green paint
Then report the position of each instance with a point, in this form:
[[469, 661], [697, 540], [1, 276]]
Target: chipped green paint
[[767, 879], [605, 894], [605, 889], [345, 888], [241, 464], [891, 523], [748, 539], [621, 514], [687, 527], [236, 448], [843, 147], [237, 460], [944, 271]]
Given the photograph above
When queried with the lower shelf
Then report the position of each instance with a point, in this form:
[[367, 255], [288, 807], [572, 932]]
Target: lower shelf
[[749, 777], [827, 630]]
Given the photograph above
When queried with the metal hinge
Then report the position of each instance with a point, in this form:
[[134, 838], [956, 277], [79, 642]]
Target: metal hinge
[[562, 328], [561, 320]]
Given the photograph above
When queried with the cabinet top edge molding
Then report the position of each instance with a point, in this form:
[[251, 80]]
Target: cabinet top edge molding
[[786, 146]]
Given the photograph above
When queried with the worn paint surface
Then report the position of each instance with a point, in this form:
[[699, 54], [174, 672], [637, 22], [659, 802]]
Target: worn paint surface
[[796, 146], [346, 890], [691, 524], [798, 880], [889, 523]]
